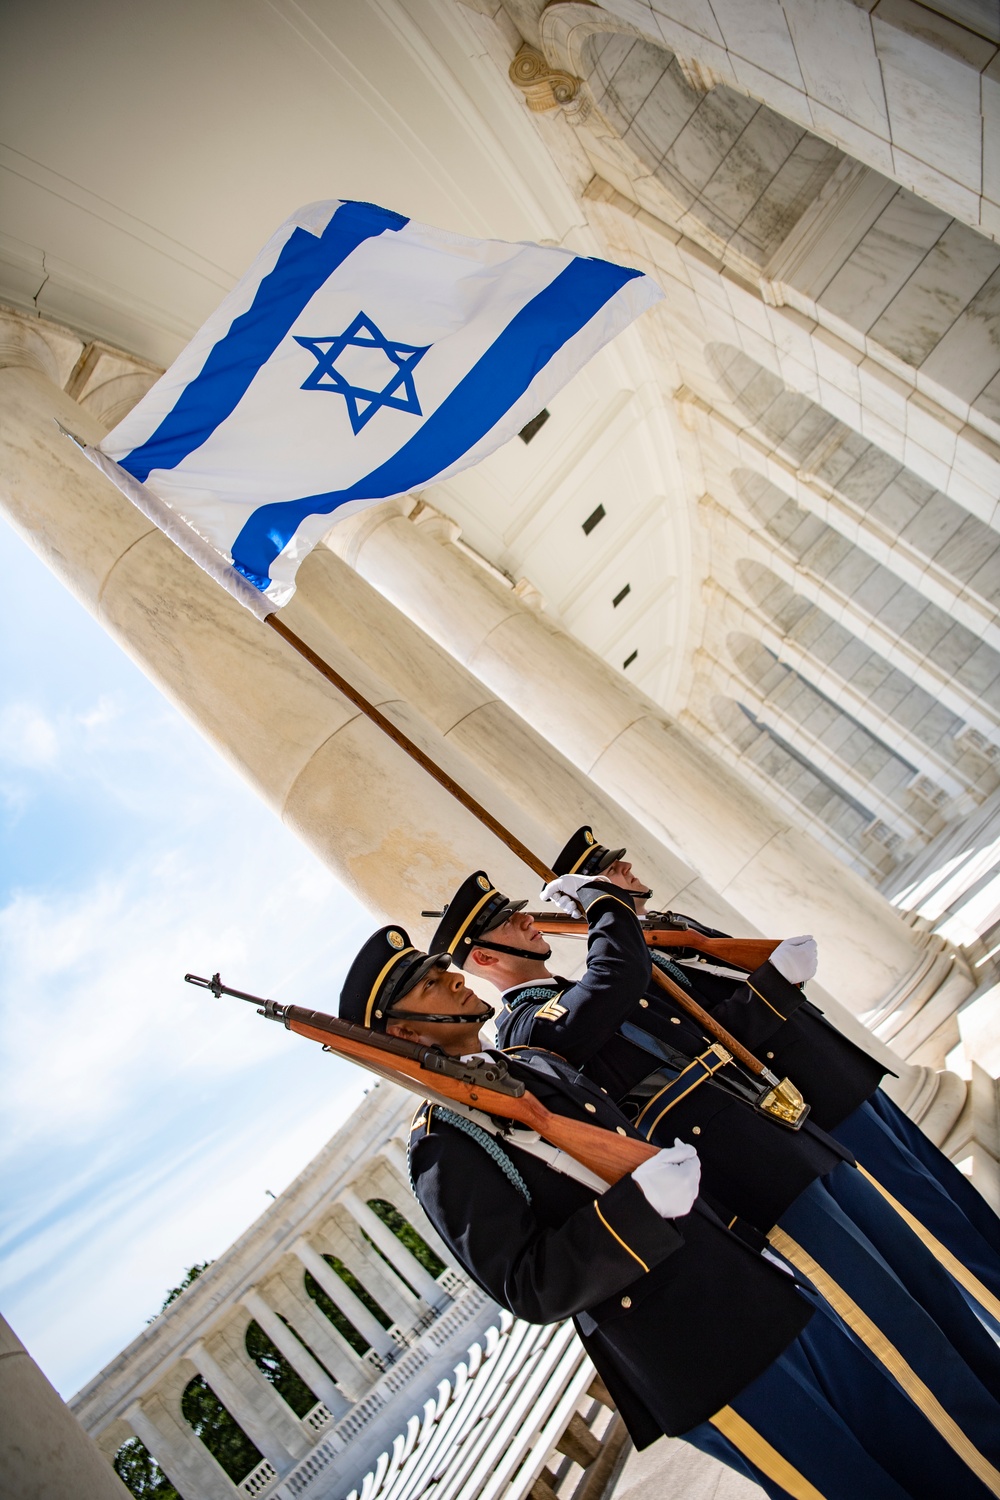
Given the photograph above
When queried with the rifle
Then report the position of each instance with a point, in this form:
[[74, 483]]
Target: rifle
[[664, 931], [477, 1082]]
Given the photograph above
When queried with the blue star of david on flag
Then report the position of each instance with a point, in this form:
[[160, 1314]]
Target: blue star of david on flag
[[363, 402], [228, 455]]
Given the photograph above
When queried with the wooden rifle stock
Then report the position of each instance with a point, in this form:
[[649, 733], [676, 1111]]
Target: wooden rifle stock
[[745, 953], [610, 1156]]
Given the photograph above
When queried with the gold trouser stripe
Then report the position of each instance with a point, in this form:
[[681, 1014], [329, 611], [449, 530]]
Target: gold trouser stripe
[[760, 1453], [619, 1238], [951, 1263], [888, 1355]]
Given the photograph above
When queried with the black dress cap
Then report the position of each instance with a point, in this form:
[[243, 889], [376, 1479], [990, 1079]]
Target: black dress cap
[[386, 969], [583, 855], [474, 910]]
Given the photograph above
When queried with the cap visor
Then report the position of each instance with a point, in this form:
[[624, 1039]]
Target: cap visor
[[413, 973], [507, 910], [609, 857]]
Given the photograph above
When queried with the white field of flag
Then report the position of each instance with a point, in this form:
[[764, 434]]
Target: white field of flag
[[362, 356]]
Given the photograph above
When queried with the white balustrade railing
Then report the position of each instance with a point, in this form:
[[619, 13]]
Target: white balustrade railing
[[259, 1479], [454, 1282], [318, 1417]]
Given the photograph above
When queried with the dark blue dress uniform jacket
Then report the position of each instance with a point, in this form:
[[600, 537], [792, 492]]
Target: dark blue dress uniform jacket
[[678, 1316], [774, 1019], [752, 1167]]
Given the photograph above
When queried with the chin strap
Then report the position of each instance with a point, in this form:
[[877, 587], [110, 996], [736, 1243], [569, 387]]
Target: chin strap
[[516, 952], [459, 1020]]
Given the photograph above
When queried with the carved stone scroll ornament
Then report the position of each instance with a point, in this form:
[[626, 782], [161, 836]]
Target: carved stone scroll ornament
[[545, 87]]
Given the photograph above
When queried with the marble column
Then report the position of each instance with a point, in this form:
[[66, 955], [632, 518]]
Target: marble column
[[44, 1452], [778, 877], [246, 1408], [301, 1361], [340, 1293], [181, 1455], [393, 1249]]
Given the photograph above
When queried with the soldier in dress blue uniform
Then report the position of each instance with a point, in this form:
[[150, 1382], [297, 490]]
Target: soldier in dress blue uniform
[[768, 1011], [798, 1187], [695, 1333]]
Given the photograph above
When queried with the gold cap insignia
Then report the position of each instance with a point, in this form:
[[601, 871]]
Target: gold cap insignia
[[589, 837], [395, 939], [482, 883]]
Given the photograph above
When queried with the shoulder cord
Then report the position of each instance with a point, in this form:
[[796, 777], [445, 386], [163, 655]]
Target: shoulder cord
[[534, 992], [489, 1144], [676, 973]]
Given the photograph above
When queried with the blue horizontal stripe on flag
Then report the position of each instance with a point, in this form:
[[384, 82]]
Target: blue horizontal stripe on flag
[[495, 382], [305, 262]]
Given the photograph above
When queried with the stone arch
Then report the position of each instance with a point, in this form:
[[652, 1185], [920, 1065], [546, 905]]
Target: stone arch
[[235, 1453], [837, 651], [924, 627], [140, 1473], [867, 760], [820, 803], [715, 163], [407, 1235], [276, 1370], [897, 508]]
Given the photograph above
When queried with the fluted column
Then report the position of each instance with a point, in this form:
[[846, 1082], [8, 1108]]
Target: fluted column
[[740, 844], [301, 1361], [340, 1293], [393, 1249], [181, 1455], [245, 1409]]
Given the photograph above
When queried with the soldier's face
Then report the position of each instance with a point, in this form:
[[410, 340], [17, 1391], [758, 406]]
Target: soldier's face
[[620, 873], [442, 992], [519, 931]]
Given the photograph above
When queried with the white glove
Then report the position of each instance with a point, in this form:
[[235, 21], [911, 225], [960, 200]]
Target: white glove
[[562, 892], [795, 959], [669, 1180]]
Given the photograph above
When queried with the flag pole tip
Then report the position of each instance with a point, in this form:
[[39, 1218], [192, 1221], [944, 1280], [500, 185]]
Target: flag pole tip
[[71, 435]]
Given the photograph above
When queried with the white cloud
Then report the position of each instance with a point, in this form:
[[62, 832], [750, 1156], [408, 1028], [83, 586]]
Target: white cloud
[[27, 736]]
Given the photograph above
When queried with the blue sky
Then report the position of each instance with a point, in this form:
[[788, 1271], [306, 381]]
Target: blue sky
[[141, 1121]]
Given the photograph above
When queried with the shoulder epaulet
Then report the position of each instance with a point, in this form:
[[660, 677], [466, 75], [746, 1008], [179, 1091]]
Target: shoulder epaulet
[[420, 1123]]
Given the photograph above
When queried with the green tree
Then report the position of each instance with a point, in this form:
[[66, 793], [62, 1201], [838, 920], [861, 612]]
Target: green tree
[[139, 1472], [407, 1235], [191, 1274], [275, 1368], [219, 1431]]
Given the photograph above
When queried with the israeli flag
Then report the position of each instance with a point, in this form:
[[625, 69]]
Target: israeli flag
[[362, 356]]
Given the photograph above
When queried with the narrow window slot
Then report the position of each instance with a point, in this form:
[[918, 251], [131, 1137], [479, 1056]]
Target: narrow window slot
[[621, 594], [592, 520], [629, 660], [529, 430]]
